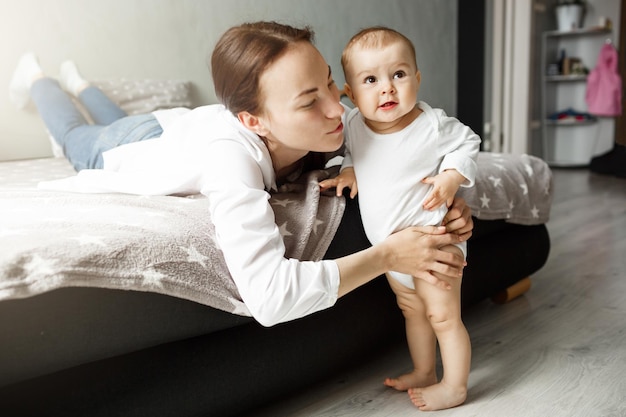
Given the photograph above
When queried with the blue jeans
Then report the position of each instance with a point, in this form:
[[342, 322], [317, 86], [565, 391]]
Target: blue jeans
[[84, 143]]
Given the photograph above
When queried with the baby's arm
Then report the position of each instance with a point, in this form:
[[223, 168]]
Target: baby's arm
[[346, 178], [445, 185]]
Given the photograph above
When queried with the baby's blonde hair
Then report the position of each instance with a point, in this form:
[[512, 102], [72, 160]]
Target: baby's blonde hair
[[374, 37]]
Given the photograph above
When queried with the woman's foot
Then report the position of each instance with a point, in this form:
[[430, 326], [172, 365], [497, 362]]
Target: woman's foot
[[70, 79], [437, 397], [26, 72], [415, 379]]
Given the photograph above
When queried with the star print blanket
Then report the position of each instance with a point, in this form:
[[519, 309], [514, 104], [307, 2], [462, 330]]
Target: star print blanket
[[515, 188], [162, 244], [165, 244]]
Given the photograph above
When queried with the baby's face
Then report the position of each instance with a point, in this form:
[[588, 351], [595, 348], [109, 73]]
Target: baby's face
[[383, 83]]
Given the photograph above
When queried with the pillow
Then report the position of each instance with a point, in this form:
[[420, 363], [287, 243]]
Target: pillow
[[137, 97], [147, 95]]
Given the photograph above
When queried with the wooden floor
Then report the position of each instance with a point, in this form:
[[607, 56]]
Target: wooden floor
[[560, 350]]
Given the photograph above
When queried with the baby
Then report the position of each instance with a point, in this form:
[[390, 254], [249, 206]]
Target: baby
[[407, 160]]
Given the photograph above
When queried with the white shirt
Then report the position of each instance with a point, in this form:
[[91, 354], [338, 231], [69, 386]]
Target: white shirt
[[207, 150], [390, 167]]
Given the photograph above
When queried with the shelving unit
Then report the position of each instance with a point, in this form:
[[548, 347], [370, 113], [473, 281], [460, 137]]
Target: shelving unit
[[568, 142]]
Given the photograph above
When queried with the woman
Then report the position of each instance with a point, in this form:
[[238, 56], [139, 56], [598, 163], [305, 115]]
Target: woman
[[281, 110]]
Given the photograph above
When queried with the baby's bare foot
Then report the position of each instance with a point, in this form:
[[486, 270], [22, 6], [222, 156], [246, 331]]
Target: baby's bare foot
[[437, 397], [415, 379]]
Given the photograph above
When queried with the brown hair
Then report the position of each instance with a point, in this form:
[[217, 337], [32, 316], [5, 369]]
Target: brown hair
[[242, 55], [375, 37]]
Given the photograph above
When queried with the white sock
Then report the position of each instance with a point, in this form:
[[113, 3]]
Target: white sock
[[27, 71], [70, 79]]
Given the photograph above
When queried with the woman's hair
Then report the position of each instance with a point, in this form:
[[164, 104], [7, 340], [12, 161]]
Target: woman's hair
[[374, 37], [242, 55]]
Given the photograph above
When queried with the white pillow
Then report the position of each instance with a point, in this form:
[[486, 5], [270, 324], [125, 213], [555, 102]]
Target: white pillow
[[147, 95], [138, 97]]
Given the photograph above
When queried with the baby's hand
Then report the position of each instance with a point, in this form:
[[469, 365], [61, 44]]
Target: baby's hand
[[445, 186], [345, 179]]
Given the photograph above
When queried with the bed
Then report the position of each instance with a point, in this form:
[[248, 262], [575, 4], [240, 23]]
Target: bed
[[114, 304]]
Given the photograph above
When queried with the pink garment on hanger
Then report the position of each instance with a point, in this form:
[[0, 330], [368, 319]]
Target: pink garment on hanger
[[604, 85]]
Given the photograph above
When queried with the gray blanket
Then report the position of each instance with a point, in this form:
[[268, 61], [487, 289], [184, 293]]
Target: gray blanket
[[166, 244], [515, 188], [162, 244]]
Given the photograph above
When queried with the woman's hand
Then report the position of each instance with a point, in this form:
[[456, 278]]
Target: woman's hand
[[416, 251], [458, 220], [425, 253]]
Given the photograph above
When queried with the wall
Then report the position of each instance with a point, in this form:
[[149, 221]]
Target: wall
[[172, 39]]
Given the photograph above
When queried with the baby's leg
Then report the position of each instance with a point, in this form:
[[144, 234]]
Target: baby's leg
[[420, 337], [443, 309]]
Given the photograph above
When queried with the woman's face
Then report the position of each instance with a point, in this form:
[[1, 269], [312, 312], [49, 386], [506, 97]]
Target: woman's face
[[301, 109]]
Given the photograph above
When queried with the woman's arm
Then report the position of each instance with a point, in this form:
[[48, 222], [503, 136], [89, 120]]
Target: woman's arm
[[413, 251], [276, 289]]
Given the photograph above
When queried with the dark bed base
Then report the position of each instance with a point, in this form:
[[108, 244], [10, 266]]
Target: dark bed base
[[97, 352]]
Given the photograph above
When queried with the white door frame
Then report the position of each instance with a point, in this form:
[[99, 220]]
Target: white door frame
[[510, 91]]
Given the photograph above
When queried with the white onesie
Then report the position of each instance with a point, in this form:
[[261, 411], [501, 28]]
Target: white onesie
[[390, 167]]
